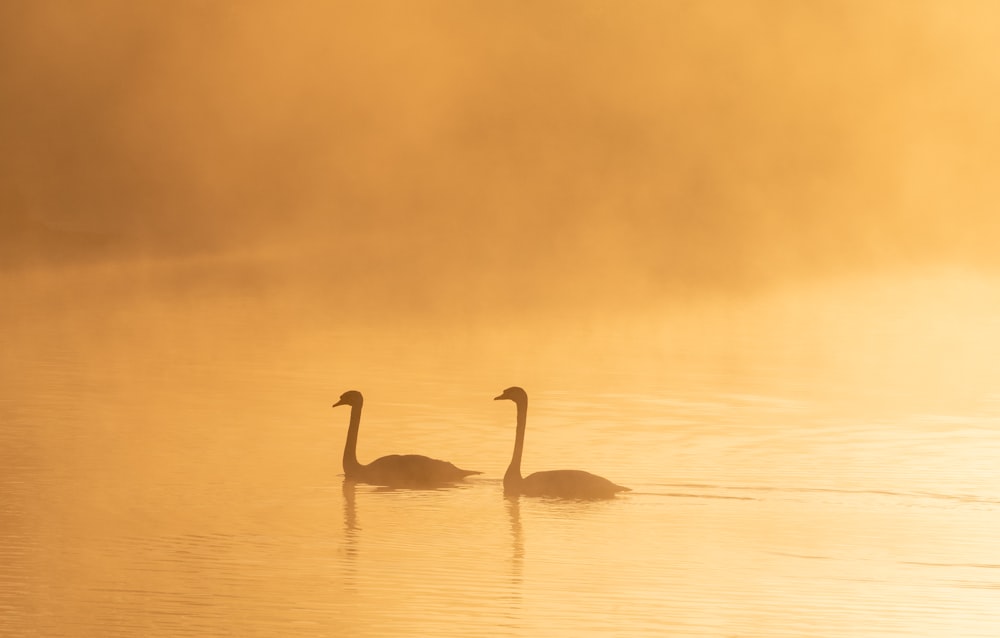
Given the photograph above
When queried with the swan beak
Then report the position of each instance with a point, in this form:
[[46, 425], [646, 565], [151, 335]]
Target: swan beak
[[499, 397], [341, 402]]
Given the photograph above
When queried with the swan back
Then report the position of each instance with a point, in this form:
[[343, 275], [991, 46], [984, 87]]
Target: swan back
[[575, 484], [409, 470]]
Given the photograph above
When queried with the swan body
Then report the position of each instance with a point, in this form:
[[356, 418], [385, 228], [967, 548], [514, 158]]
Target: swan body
[[397, 470], [575, 484]]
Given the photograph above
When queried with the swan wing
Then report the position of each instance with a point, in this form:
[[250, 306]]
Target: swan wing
[[412, 470], [569, 484]]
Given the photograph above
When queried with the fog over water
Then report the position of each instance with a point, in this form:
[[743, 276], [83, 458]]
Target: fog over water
[[566, 151], [662, 182]]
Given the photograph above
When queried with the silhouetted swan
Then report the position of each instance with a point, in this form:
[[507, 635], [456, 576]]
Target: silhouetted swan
[[562, 483], [401, 470]]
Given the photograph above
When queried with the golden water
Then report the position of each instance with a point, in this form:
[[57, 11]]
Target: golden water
[[170, 467]]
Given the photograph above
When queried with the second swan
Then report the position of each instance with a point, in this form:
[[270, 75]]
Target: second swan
[[559, 483], [395, 470]]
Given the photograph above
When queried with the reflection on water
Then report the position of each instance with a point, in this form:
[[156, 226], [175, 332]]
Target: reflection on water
[[517, 536], [188, 486]]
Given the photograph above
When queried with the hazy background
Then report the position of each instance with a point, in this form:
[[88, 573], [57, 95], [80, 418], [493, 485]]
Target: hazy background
[[457, 157], [529, 189]]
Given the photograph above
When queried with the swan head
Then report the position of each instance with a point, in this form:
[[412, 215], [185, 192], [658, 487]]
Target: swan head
[[351, 398], [515, 394]]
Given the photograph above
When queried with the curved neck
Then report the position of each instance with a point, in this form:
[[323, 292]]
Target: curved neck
[[351, 447], [513, 474]]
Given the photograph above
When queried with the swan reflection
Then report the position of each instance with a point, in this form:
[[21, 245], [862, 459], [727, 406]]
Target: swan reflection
[[517, 537]]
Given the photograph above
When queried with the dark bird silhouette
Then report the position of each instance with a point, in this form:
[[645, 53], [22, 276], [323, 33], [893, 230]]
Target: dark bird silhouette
[[561, 483], [394, 470]]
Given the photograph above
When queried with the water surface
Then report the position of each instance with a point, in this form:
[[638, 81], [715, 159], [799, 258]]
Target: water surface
[[171, 468]]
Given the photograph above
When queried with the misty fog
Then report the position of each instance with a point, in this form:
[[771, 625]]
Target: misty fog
[[662, 179], [578, 152]]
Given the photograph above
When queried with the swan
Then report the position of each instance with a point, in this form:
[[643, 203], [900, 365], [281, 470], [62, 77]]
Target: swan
[[560, 483], [398, 470]]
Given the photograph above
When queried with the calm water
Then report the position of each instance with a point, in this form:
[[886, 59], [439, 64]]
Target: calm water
[[171, 467]]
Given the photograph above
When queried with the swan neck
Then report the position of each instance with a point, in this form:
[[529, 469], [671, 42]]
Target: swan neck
[[513, 474], [351, 447]]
